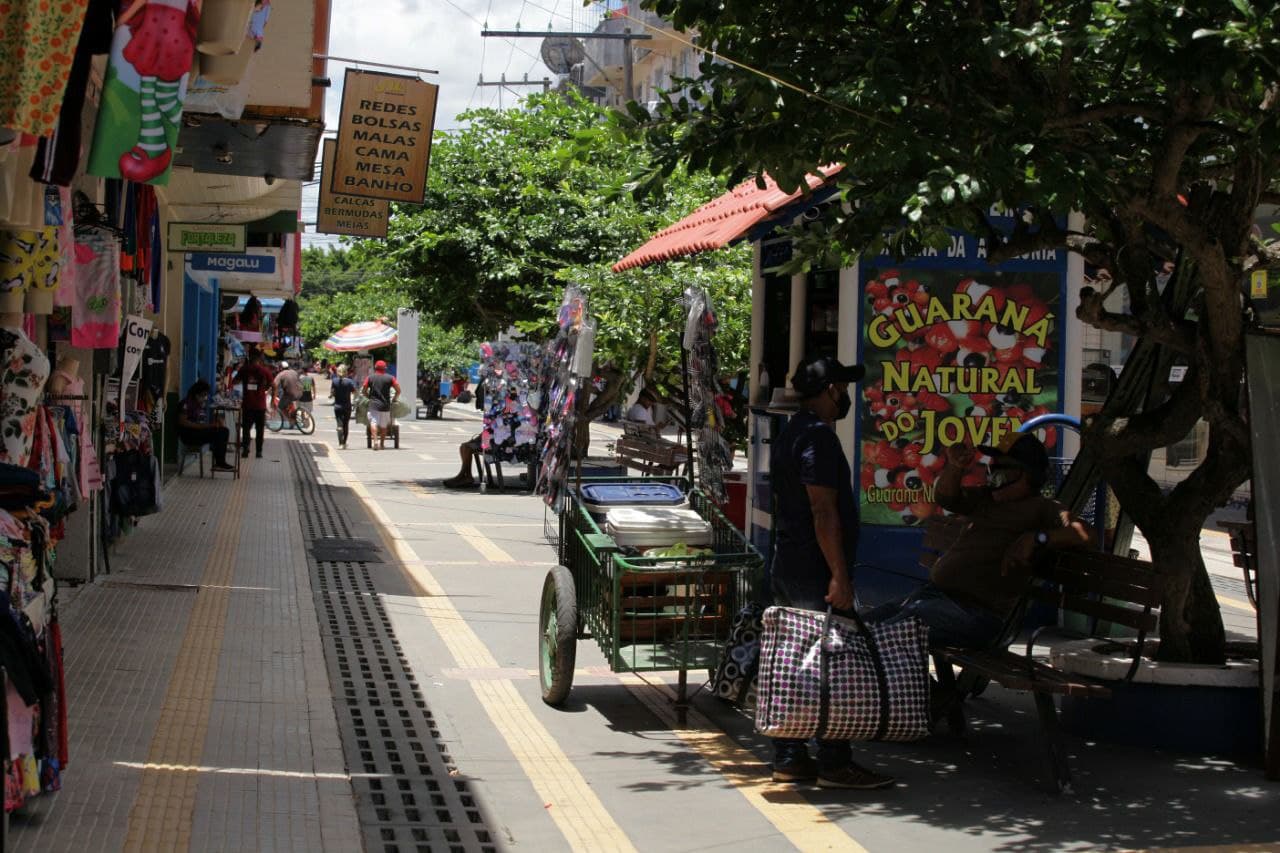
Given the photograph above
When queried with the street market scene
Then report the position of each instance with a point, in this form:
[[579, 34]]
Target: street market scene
[[757, 426]]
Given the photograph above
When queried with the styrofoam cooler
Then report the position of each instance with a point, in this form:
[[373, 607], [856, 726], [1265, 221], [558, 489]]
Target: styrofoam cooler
[[599, 498], [656, 527]]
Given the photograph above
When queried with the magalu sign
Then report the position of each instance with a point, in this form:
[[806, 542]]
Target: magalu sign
[[237, 265], [384, 137], [956, 351], [344, 214], [206, 237]]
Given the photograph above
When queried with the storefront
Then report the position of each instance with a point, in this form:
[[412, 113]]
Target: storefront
[[955, 350]]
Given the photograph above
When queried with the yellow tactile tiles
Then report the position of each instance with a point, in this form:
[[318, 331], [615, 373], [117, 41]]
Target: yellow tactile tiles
[[162, 810]]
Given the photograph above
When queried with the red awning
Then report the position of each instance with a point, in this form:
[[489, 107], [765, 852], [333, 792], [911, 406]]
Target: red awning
[[718, 223]]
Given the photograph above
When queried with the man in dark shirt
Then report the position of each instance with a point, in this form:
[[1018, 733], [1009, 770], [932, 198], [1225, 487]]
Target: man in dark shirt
[[383, 390], [974, 586], [817, 536], [341, 390], [254, 380]]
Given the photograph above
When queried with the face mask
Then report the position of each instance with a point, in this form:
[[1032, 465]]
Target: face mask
[[998, 478], [843, 404]]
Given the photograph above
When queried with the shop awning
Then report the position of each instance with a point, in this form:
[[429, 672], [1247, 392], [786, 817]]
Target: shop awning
[[721, 222]]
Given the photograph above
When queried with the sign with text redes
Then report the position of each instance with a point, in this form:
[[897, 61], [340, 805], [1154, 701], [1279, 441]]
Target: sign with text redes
[[347, 214], [384, 136]]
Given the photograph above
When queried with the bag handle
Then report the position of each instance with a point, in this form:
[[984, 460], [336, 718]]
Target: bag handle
[[824, 678]]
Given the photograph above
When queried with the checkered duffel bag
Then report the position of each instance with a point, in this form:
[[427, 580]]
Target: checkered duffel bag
[[833, 678]]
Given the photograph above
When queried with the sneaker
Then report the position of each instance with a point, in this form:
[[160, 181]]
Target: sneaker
[[799, 770], [852, 777], [244, 454], [258, 455], [222, 466]]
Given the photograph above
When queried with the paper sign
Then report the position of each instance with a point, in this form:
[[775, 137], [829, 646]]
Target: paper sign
[[347, 214], [1258, 284], [136, 331], [384, 136]]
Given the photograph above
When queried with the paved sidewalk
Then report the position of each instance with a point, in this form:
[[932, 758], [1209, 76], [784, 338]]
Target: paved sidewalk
[[200, 711]]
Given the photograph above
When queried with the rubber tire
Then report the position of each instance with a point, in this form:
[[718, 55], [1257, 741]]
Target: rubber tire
[[275, 421], [306, 423], [395, 435], [559, 600], [368, 437]]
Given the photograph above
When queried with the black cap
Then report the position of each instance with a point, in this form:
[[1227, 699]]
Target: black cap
[[812, 376], [1023, 448]]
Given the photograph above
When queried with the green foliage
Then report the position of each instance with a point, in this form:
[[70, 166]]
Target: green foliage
[[522, 202], [327, 271]]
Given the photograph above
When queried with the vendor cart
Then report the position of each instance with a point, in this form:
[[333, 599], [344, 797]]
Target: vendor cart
[[646, 613]]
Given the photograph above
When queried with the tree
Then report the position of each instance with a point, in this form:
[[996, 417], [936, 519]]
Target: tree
[[1159, 122], [327, 271], [521, 203]]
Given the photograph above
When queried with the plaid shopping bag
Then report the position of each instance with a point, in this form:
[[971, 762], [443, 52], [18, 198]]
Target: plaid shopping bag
[[833, 678]]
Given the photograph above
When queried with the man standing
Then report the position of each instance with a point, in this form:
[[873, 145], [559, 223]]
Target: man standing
[[254, 380], [383, 391], [817, 537], [341, 391], [288, 390]]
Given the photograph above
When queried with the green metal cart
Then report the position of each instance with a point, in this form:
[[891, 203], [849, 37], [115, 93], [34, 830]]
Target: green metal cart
[[646, 613]]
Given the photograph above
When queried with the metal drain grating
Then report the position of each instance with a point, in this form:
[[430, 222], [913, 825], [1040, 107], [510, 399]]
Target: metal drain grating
[[338, 550], [409, 796]]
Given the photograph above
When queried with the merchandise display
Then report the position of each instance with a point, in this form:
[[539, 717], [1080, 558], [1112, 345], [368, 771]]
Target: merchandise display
[[511, 375], [564, 380], [702, 379]]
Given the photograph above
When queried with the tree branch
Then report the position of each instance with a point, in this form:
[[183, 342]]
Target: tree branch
[[1177, 336], [1119, 437], [1103, 112]]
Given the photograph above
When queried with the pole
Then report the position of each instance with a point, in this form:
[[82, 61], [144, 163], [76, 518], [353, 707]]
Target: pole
[[628, 90], [688, 413]]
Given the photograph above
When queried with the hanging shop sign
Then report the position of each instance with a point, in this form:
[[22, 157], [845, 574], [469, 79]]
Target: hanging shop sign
[[347, 214], [384, 136], [136, 332], [249, 264], [206, 237], [956, 352]]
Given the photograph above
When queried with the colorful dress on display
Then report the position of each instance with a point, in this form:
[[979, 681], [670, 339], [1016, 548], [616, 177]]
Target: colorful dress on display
[[25, 371], [151, 57], [95, 306], [90, 468], [37, 39]]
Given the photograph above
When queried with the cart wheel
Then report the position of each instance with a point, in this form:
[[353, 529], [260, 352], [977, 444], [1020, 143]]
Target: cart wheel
[[396, 435], [368, 437], [557, 635]]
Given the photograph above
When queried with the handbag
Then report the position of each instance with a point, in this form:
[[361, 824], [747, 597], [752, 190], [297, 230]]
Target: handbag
[[734, 679], [834, 678]]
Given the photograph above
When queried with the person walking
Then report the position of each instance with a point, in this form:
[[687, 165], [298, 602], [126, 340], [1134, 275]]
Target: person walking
[[383, 391], [817, 539], [342, 390], [254, 380]]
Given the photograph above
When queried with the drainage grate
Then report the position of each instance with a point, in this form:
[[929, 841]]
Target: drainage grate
[[409, 795]]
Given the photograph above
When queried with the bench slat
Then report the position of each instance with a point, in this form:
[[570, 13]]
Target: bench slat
[[1139, 620], [1019, 673], [1084, 583], [1114, 567]]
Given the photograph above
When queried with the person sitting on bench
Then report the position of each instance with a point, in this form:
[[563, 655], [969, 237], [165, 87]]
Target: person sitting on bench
[[467, 451], [642, 411], [195, 429], [975, 585]]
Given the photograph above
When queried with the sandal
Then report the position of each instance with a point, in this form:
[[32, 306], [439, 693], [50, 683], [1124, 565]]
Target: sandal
[[458, 482]]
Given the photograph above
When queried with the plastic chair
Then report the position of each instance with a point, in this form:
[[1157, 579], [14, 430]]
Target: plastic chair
[[185, 452]]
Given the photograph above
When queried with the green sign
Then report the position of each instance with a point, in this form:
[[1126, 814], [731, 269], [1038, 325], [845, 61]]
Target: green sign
[[206, 237]]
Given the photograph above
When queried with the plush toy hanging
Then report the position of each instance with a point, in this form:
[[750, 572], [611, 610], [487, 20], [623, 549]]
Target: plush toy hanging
[[151, 58]]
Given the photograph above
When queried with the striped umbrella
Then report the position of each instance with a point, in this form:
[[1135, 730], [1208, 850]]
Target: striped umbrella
[[361, 336]]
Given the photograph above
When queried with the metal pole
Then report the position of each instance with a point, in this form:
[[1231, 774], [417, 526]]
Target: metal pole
[[627, 84]]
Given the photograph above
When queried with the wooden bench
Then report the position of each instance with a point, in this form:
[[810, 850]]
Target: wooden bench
[[643, 449], [1104, 588], [1244, 552]]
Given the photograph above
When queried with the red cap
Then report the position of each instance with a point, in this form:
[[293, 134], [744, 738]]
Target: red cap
[[379, 365]]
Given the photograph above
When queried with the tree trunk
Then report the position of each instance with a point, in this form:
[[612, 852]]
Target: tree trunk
[[1191, 628]]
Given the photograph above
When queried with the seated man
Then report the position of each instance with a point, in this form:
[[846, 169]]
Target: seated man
[[195, 429], [467, 450], [975, 585], [642, 411]]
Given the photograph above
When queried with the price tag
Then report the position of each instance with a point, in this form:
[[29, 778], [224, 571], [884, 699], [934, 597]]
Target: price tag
[[1177, 374], [1258, 284]]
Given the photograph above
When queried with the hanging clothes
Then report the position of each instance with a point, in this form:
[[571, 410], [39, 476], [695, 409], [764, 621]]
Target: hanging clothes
[[24, 369], [36, 39], [29, 260], [95, 310], [90, 470]]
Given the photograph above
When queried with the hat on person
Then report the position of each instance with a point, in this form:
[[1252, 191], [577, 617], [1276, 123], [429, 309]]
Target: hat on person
[[342, 370], [813, 376], [284, 365], [1022, 448], [379, 365]]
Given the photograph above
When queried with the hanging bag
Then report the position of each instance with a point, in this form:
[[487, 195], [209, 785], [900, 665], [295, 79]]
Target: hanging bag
[[833, 678]]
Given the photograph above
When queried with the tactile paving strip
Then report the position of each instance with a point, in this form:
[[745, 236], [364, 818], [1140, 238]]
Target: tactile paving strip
[[409, 795]]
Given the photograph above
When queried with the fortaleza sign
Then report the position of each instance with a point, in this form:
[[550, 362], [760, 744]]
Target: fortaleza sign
[[384, 136], [347, 214], [206, 237]]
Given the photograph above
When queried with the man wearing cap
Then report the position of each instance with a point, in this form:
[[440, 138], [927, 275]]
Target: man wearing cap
[[816, 521], [975, 585], [383, 390]]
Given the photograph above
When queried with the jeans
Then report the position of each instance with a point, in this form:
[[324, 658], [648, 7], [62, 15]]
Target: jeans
[[832, 754], [252, 418], [214, 436], [343, 416], [950, 622]]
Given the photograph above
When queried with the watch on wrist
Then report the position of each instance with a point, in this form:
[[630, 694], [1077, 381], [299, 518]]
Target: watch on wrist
[[1042, 538]]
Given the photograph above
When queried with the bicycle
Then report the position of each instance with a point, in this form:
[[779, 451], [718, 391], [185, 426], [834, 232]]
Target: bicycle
[[301, 420]]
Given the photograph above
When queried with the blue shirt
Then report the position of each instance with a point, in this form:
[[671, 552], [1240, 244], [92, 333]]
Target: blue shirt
[[807, 452]]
